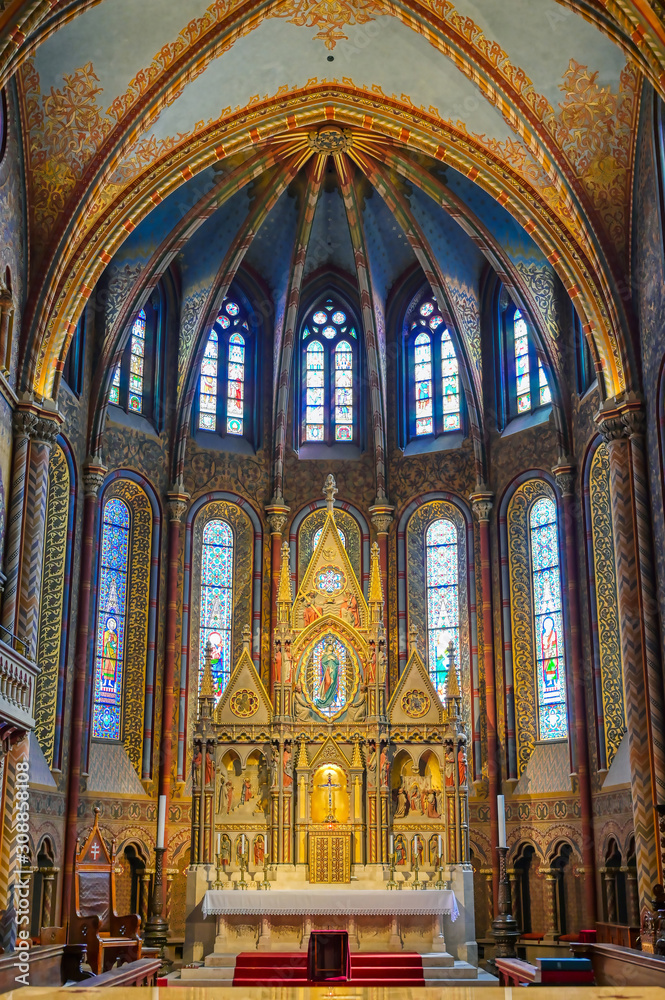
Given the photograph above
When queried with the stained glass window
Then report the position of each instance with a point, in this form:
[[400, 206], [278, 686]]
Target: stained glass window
[[317, 534], [436, 382], [315, 392], [111, 614], [236, 385], [329, 374], [548, 621], [136, 363], [522, 372], [216, 601], [343, 392], [423, 376], [114, 392], [543, 386], [450, 376], [208, 388], [442, 575]]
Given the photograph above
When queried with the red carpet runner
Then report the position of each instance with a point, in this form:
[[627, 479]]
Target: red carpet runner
[[290, 968]]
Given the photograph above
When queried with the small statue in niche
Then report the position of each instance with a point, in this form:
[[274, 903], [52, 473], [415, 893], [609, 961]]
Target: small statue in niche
[[246, 792], [349, 609], [209, 768], [259, 850], [370, 663], [400, 850], [402, 804], [287, 662], [277, 662], [274, 766], [384, 766], [196, 766], [358, 707], [432, 811], [300, 704], [226, 849], [449, 768], [310, 612], [461, 764], [382, 662], [288, 767]]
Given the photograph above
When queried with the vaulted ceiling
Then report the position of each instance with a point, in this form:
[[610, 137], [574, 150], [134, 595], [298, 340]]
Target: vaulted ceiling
[[511, 124]]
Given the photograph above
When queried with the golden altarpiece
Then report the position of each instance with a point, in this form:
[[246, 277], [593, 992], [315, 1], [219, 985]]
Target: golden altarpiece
[[330, 784]]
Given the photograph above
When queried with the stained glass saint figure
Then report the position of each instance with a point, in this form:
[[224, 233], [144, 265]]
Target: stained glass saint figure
[[327, 693]]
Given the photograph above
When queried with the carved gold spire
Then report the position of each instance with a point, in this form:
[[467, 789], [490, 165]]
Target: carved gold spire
[[207, 689], [329, 490], [375, 597], [284, 595], [246, 638], [453, 694]]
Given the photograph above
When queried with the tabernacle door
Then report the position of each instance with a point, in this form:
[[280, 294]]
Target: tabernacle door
[[330, 854]]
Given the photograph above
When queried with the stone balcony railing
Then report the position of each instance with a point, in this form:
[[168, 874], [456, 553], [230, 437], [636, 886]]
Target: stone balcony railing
[[18, 683]]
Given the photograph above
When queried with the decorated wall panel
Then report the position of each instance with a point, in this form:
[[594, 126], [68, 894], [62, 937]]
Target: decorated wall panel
[[607, 644], [52, 624], [310, 532]]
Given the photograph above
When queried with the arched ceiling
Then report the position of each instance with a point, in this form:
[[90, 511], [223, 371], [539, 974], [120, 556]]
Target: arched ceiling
[[134, 112]]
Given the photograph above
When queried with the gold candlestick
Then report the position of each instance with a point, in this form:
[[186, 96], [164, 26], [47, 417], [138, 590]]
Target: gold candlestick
[[244, 861], [265, 884], [217, 884], [391, 883]]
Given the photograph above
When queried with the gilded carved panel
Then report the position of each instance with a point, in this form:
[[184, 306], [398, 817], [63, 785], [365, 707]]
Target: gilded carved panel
[[521, 614], [346, 524], [417, 586], [602, 535], [140, 553], [51, 611]]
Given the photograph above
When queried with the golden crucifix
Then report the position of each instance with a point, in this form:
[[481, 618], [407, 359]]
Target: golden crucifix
[[330, 784]]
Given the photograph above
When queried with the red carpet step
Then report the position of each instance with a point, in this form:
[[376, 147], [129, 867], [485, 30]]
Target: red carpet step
[[371, 969]]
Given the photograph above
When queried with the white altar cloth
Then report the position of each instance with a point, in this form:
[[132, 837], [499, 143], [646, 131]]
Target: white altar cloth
[[330, 902]]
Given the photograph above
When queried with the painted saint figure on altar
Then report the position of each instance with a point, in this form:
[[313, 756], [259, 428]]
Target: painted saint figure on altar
[[328, 688], [259, 850]]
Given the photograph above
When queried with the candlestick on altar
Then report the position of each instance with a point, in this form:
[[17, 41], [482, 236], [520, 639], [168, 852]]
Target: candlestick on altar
[[161, 820], [219, 867], [501, 810], [391, 883], [504, 926], [241, 883]]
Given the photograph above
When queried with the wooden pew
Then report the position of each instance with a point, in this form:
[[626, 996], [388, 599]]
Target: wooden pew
[[548, 971], [140, 973], [108, 938], [617, 966]]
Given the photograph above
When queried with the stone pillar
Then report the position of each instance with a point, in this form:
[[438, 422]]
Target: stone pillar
[[48, 875], [609, 878], [25, 423], [482, 505], [263, 944], [144, 895], [177, 505], [551, 911], [632, 898], [278, 514], [565, 480], [514, 890], [93, 477], [382, 518], [621, 422]]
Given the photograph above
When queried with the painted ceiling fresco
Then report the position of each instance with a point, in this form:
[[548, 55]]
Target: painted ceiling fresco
[[532, 108]]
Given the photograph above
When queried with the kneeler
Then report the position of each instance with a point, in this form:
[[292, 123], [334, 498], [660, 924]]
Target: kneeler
[[328, 956]]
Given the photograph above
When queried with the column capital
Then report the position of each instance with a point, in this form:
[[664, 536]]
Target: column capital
[[277, 514], [622, 417], [382, 517], [94, 474], [47, 428], [177, 505], [482, 502], [564, 475]]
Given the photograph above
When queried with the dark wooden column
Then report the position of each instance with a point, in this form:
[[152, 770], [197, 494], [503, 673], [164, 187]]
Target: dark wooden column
[[93, 477]]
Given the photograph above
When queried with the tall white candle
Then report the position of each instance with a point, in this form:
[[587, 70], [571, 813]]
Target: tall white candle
[[161, 820], [501, 807], [392, 844], [265, 844], [242, 844], [440, 851], [219, 843]]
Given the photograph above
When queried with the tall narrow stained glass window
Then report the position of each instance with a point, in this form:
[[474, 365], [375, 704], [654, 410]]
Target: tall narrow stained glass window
[[329, 373], [435, 374], [442, 579], [114, 392], [137, 363], [548, 621], [217, 601], [522, 373], [223, 382], [111, 616]]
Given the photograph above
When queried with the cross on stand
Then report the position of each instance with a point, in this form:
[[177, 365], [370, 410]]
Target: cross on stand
[[330, 784], [95, 851]]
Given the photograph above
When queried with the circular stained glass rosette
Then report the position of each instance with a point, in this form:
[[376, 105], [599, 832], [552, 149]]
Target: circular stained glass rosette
[[330, 580], [415, 703], [225, 322], [320, 317], [426, 309], [234, 426], [232, 309], [329, 332], [339, 317], [244, 703], [435, 321]]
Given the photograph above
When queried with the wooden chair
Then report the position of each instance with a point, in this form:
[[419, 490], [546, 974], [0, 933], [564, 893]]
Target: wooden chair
[[108, 938]]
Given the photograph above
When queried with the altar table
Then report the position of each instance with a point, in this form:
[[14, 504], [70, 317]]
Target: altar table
[[330, 902]]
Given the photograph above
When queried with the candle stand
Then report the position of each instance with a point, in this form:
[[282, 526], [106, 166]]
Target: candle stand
[[217, 884], [440, 884], [265, 884], [156, 928], [244, 858], [417, 884], [504, 926], [391, 883]]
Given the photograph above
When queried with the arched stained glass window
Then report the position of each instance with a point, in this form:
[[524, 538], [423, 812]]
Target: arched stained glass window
[[208, 386], [435, 385], [314, 392], [329, 373], [317, 534], [136, 363], [548, 621], [522, 373], [111, 615], [236, 385], [343, 392], [114, 393], [442, 579], [224, 386], [217, 601], [423, 376]]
